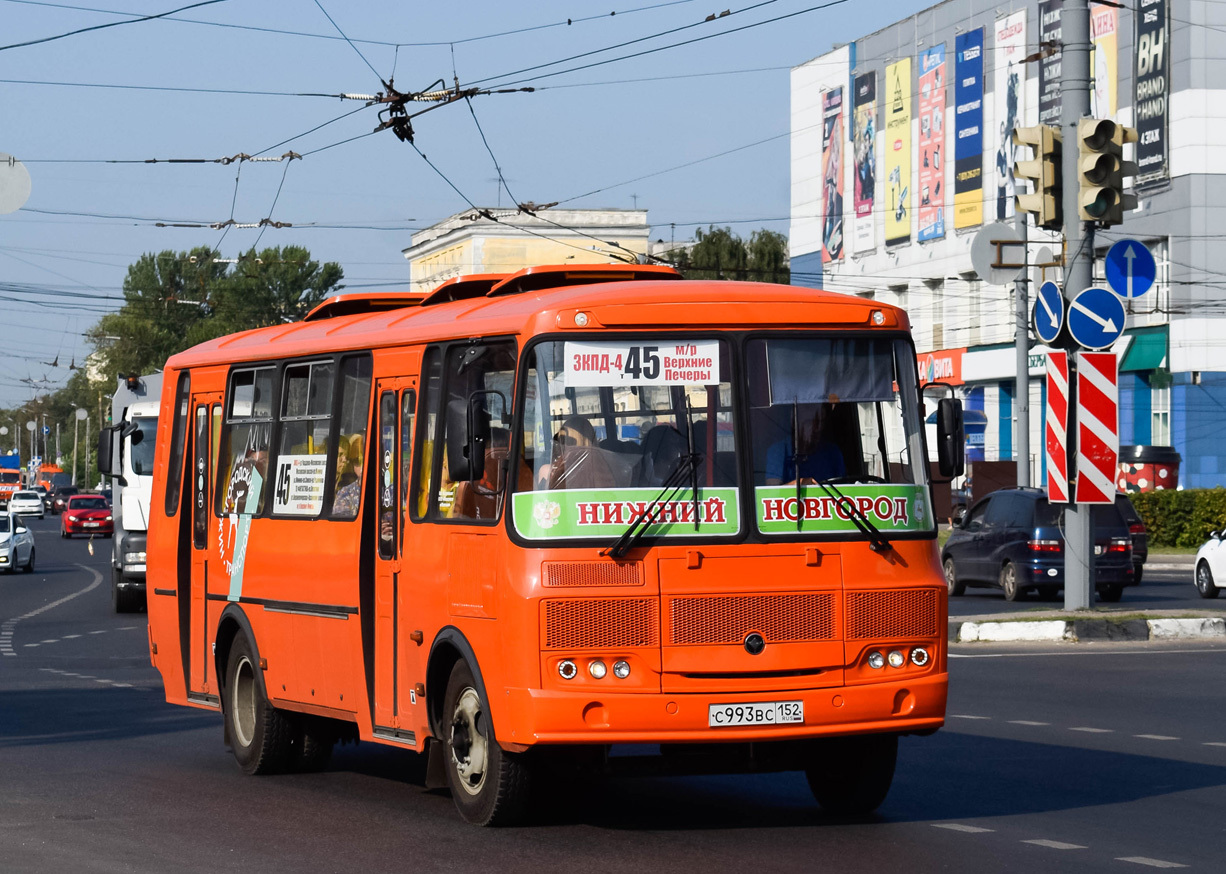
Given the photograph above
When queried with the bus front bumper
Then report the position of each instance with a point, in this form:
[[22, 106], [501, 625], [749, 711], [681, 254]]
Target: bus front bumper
[[543, 716]]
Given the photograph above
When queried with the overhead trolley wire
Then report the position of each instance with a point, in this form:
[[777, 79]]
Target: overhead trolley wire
[[46, 39]]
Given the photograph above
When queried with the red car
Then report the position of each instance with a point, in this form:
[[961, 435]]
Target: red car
[[86, 514]]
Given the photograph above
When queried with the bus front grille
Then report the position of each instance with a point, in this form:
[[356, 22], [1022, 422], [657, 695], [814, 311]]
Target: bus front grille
[[875, 615], [591, 573], [600, 623], [725, 619]]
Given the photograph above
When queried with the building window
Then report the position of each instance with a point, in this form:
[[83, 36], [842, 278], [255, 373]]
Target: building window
[[1160, 416]]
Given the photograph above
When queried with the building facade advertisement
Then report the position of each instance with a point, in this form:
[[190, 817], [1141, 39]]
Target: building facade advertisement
[[864, 142], [942, 365], [898, 153], [1049, 66], [1105, 35], [1008, 99], [968, 124], [832, 175], [1153, 89], [932, 144]]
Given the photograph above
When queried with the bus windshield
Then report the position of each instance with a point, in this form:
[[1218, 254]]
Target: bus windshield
[[10, 476]]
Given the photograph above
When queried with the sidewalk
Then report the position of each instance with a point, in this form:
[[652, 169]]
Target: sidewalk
[[1100, 625]]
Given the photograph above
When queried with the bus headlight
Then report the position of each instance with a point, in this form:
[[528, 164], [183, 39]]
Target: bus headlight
[[597, 669], [897, 659], [919, 656], [621, 669], [567, 669], [876, 660]]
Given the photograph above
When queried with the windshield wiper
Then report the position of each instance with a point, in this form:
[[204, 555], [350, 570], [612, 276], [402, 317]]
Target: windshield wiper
[[687, 466], [877, 541]]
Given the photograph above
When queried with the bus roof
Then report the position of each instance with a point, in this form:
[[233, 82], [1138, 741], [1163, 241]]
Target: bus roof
[[664, 302]]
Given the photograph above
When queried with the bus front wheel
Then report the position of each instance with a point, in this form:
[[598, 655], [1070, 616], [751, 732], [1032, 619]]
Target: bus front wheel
[[489, 785], [851, 776], [262, 737]]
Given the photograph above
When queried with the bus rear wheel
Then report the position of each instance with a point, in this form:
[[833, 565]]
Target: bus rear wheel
[[489, 785], [850, 776], [261, 736]]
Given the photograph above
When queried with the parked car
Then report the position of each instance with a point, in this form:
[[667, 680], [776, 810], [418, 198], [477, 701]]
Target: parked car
[[61, 496], [1013, 539], [87, 514], [1211, 566], [26, 503], [1138, 533], [16, 544]]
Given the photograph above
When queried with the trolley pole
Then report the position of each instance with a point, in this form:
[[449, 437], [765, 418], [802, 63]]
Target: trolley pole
[[1078, 275]]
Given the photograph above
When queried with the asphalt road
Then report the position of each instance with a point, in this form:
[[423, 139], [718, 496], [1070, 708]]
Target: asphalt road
[[1070, 758]]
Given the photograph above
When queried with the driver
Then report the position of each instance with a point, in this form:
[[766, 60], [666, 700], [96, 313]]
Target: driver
[[820, 457]]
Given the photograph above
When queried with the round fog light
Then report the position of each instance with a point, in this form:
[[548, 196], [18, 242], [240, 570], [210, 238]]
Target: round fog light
[[897, 659], [876, 660], [597, 669], [567, 669], [621, 669], [919, 656]]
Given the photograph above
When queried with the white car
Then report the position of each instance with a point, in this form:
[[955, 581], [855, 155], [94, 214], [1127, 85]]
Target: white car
[[26, 503], [1211, 566], [16, 544]]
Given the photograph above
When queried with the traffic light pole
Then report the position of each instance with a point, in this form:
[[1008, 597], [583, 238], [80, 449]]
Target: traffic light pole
[[1021, 340], [1078, 275]]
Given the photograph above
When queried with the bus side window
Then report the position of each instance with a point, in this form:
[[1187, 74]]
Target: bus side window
[[432, 375], [178, 443], [244, 443], [354, 414], [408, 416], [479, 380], [387, 474], [306, 426]]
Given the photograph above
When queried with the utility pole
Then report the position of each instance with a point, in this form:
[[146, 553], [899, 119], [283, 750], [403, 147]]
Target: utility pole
[[1021, 341], [1078, 275]]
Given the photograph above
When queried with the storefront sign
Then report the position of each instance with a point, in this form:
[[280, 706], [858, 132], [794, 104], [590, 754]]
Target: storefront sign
[[968, 115], [1153, 89], [944, 365]]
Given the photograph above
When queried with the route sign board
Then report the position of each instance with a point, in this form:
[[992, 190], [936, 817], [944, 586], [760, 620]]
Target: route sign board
[[1048, 312], [1098, 427], [1096, 318], [1057, 427], [1131, 269]]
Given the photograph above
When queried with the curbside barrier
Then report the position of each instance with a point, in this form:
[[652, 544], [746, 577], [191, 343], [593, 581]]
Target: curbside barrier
[[1087, 630]]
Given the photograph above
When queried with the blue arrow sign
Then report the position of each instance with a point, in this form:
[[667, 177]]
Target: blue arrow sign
[[1096, 318], [1048, 312], [1130, 268]]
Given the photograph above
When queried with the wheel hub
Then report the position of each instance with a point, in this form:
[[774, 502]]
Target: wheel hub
[[469, 748]]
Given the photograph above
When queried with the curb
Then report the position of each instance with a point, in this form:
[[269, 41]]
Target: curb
[[1078, 630]]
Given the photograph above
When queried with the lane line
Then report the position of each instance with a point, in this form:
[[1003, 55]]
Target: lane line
[[959, 827], [965, 716], [1152, 863], [1156, 736], [1026, 722], [1073, 652], [1054, 845], [6, 647], [1090, 730], [1215, 743]]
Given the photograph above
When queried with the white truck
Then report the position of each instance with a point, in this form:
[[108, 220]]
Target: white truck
[[125, 452]]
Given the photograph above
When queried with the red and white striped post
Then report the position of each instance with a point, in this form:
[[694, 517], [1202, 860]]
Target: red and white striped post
[[1057, 427], [1098, 427]]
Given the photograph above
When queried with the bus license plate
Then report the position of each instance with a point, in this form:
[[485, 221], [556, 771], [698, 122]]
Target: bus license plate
[[756, 713]]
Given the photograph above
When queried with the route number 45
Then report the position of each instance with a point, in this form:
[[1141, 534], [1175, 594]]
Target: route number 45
[[642, 362]]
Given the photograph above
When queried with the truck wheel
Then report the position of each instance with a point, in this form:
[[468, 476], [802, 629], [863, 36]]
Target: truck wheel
[[851, 776], [121, 601], [262, 736], [489, 786]]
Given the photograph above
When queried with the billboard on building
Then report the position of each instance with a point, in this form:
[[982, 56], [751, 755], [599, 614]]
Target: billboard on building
[[898, 153], [1153, 89], [1105, 35], [1008, 98], [864, 142], [832, 175], [1049, 66], [932, 144], [968, 127]]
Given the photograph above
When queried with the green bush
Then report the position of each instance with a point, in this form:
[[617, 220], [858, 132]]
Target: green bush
[[1181, 518]]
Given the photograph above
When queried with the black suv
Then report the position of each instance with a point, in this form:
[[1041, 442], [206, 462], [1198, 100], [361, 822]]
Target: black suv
[[1013, 539]]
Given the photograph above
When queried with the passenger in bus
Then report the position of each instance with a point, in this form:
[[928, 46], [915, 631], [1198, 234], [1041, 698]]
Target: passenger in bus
[[577, 462], [344, 468], [348, 497], [820, 457]]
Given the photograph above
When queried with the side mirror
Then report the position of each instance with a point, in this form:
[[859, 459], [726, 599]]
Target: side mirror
[[457, 447], [951, 445], [21, 529], [1215, 535], [106, 449]]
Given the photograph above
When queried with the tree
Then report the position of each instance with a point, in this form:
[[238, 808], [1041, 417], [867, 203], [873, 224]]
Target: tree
[[718, 253]]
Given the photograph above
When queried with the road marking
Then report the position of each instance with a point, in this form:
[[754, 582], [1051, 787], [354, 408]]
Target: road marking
[[1215, 743], [1026, 722], [1153, 863], [6, 646], [1054, 845], [959, 827], [70, 636], [100, 631], [966, 716], [1156, 736], [1093, 730]]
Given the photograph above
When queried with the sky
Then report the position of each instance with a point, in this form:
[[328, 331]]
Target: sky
[[696, 134]]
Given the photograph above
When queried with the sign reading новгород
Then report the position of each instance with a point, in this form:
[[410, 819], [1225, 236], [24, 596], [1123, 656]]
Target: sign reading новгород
[[891, 508]]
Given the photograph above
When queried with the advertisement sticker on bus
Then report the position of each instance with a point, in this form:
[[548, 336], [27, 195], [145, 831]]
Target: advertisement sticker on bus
[[562, 514], [300, 485], [890, 508], [627, 363]]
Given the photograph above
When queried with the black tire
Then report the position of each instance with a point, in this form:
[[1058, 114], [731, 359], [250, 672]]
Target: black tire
[[851, 776], [121, 599], [1137, 570], [261, 736], [1204, 581], [29, 565], [1111, 594], [313, 744], [1049, 593], [1012, 586], [956, 586], [489, 786]]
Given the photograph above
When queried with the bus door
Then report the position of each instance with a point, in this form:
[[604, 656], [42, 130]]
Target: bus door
[[206, 421], [397, 668]]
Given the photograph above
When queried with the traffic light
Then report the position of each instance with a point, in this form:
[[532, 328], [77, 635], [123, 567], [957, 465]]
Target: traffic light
[[1101, 170], [1043, 172]]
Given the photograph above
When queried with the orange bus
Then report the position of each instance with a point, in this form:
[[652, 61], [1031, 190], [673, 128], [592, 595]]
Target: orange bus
[[536, 518]]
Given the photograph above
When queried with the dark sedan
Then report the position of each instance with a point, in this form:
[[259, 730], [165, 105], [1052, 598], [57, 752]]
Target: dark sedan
[[60, 497], [1013, 539]]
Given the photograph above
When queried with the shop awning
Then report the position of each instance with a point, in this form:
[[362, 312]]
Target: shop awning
[[1147, 350]]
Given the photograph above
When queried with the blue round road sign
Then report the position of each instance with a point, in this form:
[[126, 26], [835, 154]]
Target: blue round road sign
[[1130, 268], [1048, 312], [1096, 318]]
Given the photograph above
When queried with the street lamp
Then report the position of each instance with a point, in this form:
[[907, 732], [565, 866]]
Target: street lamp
[[30, 426], [76, 424]]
